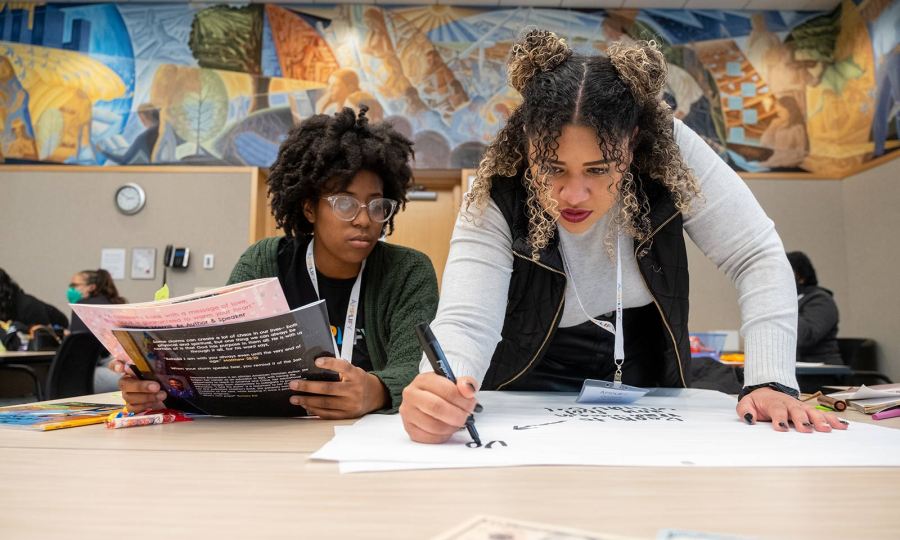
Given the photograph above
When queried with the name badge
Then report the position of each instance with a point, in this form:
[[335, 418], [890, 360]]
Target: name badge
[[606, 392]]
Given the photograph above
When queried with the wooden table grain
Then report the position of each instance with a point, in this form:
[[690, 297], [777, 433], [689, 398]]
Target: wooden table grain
[[252, 478]]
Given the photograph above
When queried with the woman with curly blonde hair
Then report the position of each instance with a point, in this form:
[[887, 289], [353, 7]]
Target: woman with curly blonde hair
[[568, 261]]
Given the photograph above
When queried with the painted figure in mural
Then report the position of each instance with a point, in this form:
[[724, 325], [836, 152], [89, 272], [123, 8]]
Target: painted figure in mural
[[21, 146], [593, 181], [141, 150], [15, 141], [887, 100], [786, 135], [392, 83], [343, 87]]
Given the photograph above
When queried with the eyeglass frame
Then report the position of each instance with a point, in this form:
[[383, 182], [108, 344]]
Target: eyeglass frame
[[331, 201]]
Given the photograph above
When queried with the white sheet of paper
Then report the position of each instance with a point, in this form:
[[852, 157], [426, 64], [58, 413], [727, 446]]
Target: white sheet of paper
[[143, 263], [665, 428], [606, 392], [864, 392], [113, 261]]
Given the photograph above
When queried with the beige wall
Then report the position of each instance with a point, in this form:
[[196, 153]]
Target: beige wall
[[56, 223], [872, 229], [809, 217], [847, 227]]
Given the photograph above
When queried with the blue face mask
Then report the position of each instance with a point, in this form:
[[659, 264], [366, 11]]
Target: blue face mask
[[73, 295]]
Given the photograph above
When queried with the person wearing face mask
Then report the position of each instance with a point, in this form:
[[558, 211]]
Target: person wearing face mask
[[95, 287], [91, 287], [568, 260], [335, 188], [817, 321]]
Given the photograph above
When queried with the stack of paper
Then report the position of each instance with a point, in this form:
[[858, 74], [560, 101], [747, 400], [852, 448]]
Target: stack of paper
[[871, 400], [666, 428]]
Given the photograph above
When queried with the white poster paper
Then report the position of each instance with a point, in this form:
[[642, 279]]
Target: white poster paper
[[666, 428], [113, 261]]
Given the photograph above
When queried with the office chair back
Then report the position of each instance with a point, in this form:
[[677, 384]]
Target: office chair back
[[72, 370], [861, 355], [858, 353]]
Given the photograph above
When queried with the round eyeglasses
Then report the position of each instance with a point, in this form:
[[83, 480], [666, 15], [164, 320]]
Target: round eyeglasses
[[347, 207]]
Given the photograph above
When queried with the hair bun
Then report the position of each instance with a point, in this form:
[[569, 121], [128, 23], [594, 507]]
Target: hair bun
[[536, 51], [642, 67]]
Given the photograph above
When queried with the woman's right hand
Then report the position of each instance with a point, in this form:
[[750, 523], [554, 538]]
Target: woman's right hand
[[433, 408], [141, 395]]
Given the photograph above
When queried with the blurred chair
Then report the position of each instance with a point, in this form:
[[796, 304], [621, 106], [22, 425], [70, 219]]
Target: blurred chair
[[860, 354], [72, 370]]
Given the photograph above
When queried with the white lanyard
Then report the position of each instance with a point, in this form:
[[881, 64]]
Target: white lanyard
[[352, 306], [618, 330]]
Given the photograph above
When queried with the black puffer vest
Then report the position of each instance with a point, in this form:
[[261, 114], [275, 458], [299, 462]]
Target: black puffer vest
[[537, 288]]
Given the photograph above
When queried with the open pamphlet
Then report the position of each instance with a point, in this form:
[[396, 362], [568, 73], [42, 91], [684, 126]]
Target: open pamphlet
[[229, 351]]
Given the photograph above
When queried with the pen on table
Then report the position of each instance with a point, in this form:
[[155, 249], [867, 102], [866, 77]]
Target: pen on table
[[834, 403], [441, 366]]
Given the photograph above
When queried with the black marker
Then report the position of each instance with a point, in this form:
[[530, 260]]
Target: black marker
[[441, 366]]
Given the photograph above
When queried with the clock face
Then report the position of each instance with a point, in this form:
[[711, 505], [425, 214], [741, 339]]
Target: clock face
[[130, 199]]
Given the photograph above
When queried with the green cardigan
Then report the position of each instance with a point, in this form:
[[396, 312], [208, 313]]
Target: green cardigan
[[401, 292]]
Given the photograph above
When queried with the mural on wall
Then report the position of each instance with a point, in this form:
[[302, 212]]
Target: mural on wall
[[194, 83]]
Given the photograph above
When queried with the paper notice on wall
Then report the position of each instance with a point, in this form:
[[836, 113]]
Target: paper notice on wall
[[113, 261], [143, 263]]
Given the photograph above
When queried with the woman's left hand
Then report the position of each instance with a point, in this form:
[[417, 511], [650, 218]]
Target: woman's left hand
[[768, 405], [357, 393]]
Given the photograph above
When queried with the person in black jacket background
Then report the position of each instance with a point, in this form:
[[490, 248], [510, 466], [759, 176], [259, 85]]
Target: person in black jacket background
[[17, 305], [817, 326]]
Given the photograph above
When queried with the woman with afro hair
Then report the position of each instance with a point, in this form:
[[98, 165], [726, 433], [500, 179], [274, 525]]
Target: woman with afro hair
[[335, 188], [568, 260]]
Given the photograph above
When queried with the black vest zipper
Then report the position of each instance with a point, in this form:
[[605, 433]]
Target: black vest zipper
[[656, 303]]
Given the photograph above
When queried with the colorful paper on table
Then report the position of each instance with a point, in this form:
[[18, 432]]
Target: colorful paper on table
[[51, 416], [698, 427], [239, 302]]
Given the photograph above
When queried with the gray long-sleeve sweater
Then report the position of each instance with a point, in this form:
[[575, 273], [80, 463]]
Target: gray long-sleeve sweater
[[728, 226]]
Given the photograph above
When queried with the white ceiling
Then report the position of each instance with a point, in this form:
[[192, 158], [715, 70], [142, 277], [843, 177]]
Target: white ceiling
[[785, 5]]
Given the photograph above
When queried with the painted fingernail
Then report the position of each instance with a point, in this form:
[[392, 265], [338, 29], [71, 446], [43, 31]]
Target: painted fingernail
[[846, 423], [782, 424], [748, 418], [471, 386], [479, 408]]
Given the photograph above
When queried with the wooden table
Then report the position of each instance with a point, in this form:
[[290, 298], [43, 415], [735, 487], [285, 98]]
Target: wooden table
[[252, 478]]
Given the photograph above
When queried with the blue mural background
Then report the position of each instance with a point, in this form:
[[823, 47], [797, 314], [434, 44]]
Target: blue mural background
[[223, 84]]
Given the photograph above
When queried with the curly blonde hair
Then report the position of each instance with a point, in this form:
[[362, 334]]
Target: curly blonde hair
[[612, 95]]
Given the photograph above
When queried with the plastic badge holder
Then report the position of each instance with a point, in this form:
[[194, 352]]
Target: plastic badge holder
[[609, 393]]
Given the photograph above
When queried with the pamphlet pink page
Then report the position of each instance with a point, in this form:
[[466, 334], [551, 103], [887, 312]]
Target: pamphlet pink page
[[240, 302]]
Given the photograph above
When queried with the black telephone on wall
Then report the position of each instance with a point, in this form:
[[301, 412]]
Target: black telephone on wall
[[176, 257]]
